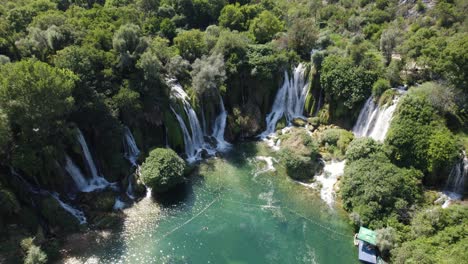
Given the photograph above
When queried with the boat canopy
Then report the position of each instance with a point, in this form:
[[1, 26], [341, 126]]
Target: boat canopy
[[367, 235]]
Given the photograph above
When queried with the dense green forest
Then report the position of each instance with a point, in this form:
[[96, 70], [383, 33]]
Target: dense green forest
[[96, 68]]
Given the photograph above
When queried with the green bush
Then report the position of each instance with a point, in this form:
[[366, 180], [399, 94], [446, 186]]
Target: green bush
[[379, 87], [336, 141], [378, 192], [162, 170], [362, 148], [436, 235], [418, 138], [33, 253], [299, 154], [35, 256], [297, 166]]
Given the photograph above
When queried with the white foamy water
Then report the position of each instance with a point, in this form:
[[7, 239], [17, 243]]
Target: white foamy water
[[269, 164], [289, 101], [219, 127], [374, 120], [455, 185], [327, 180], [131, 151], [78, 214], [194, 141]]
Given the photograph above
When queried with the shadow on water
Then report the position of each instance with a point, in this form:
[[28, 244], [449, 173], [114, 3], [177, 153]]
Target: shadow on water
[[181, 195], [239, 156]]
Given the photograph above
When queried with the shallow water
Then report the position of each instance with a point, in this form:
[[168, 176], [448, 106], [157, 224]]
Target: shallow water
[[230, 213]]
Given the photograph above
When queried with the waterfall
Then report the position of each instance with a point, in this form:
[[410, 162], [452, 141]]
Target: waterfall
[[194, 141], [79, 215], [374, 121], [327, 180], [96, 182], [455, 185], [289, 101], [82, 183], [131, 149], [219, 128]]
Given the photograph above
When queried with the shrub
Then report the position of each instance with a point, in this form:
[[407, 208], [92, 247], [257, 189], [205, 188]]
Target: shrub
[[362, 148], [379, 87], [378, 192], [34, 254], [297, 166], [299, 154], [162, 170], [336, 139]]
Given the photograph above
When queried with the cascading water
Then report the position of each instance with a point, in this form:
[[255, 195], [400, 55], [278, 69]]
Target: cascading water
[[289, 101], [83, 184], [374, 121], [327, 180], [219, 128], [131, 149], [79, 215], [455, 185], [194, 141]]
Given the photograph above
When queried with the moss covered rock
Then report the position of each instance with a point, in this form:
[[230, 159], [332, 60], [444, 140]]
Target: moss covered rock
[[299, 154], [299, 122]]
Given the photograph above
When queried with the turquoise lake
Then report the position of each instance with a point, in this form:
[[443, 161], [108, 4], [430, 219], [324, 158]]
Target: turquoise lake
[[231, 212]]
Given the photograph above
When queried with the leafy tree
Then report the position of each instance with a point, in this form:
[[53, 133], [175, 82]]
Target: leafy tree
[[208, 75], [389, 41], [9, 204], [265, 26], [302, 35], [168, 29], [387, 239], [380, 86], [362, 148], [191, 44], [5, 132], [443, 150], [129, 43], [436, 235], [151, 66], [232, 17], [377, 191], [34, 254], [162, 170], [453, 61], [91, 65], [128, 103], [417, 135], [346, 83], [36, 98]]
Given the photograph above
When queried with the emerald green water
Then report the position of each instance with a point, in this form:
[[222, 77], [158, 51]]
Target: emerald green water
[[227, 214]]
